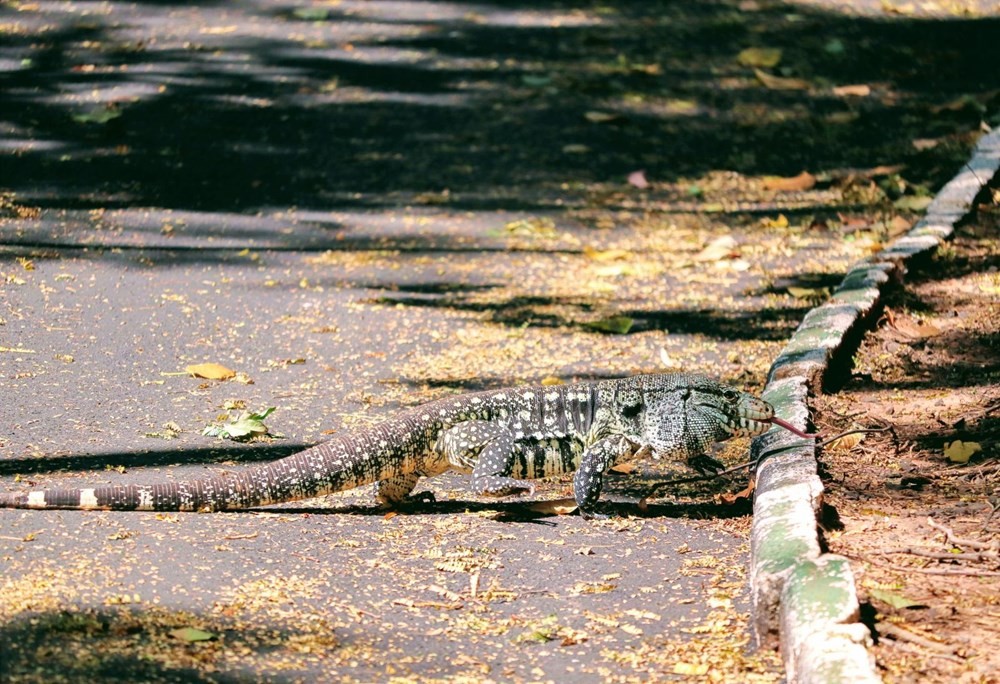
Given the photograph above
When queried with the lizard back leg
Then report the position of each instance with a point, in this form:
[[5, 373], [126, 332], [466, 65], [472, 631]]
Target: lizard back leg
[[487, 449], [393, 491]]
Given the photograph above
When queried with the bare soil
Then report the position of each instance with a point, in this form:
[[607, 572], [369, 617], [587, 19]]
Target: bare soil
[[922, 531]]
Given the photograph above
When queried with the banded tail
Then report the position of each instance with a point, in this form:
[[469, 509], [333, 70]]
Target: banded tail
[[387, 451]]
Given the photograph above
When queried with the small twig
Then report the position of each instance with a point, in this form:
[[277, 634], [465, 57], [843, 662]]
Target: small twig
[[975, 572], [991, 548], [900, 634], [940, 555]]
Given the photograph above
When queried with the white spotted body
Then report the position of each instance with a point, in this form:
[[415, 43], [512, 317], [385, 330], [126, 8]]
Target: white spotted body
[[501, 437]]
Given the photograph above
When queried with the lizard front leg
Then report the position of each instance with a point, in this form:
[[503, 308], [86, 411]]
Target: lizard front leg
[[596, 460], [487, 449]]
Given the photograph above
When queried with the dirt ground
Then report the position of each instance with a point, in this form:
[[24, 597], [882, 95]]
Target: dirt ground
[[923, 531]]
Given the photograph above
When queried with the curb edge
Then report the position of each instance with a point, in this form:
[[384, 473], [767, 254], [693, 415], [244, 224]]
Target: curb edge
[[804, 599]]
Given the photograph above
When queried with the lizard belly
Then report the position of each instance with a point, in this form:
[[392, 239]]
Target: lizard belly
[[538, 457]]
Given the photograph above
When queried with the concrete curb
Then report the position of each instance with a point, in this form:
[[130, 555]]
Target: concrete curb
[[804, 599]]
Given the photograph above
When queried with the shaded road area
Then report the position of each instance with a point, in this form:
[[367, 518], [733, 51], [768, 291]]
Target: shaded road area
[[361, 206]]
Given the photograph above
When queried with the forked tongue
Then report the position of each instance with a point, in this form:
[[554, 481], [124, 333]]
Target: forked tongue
[[791, 428]]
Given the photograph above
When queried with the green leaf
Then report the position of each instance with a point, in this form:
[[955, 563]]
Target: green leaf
[[536, 80], [101, 115], [192, 634], [245, 425], [893, 599], [311, 13], [834, 46], [617, 325]]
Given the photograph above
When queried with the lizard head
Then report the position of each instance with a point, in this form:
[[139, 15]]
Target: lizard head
[[681, 416]]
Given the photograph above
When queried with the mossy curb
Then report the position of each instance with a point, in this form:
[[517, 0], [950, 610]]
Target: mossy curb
[[804, 599]]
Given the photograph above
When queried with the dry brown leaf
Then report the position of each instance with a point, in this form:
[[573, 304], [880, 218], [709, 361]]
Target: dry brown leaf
[[210, 371], [730, 498], [914, 329], [846, 443], [803, 181], [624, 468]]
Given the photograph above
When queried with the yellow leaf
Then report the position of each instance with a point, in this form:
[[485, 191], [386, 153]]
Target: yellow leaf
[[690, 668], [859, 90], [550, 380], [803, 181], [210, 371], [759, 57], [960, 452], [780, 221], [723, 247], [600, 117], [772, 82], [605, 255]]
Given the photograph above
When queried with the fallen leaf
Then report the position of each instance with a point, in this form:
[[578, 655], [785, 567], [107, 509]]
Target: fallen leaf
[[914, 329], [536, 80], [847, 442], [779, 221], [960, 452], [859, 90], [638, 179], [101, 115], [913, 202], [554, 507], [574, 148], [601, 117], [550, 380], [891, 598], [210, 371], [772, 82], [192, 634], [585, 551], [759, 57], [803, 181], [605, 255], [245, 425], [617, 325], [808, 293], [683, 668], [834, 46], [624, 468], [311, 13], [921, 144], [722, 247]]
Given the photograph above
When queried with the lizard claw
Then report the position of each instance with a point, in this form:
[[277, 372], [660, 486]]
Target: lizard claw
[[706, 465], [588, 514]]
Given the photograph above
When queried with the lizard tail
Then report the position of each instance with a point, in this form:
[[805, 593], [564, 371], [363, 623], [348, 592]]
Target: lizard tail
[[342, 463]]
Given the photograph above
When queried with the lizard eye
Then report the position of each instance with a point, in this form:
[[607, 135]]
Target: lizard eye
[[731, 395]]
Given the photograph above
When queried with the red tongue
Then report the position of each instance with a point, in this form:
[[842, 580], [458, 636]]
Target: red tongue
[[791, 428]]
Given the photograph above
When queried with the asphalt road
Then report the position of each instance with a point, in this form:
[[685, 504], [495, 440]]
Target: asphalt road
[[361, 206]]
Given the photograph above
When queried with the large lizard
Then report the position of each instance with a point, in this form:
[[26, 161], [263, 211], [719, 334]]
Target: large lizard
[[501, 437]]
